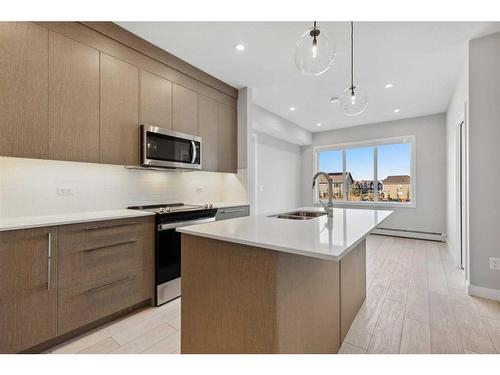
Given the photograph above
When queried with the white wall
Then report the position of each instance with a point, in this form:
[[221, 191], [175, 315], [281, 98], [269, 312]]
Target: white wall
[[454, 116], [430, 212], [271, 124], [274, 159], [28, 187], [484, 160], [278, 174]]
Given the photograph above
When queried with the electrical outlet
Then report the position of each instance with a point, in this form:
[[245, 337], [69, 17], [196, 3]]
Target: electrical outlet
[[65, 190], [494, 263]]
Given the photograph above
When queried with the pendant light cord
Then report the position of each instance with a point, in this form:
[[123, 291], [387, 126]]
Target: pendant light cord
[[352, 58]]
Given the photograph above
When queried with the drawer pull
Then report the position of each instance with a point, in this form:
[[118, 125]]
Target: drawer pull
[[113, 283], [109, 226], [108, 246]]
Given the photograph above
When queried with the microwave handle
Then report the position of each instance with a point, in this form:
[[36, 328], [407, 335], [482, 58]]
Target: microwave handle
[[193, 146]]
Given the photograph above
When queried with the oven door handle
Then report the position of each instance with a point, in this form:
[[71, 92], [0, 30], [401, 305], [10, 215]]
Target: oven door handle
[[193, 148], [179, 224]]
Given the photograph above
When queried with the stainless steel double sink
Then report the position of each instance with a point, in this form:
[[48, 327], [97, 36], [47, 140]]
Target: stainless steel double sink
[[299, 215]]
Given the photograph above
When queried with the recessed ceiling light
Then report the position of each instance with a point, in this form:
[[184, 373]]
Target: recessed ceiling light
[[397, 110], [318, 124], [292, 108], [240, 47], [389, 86], [335, 100]]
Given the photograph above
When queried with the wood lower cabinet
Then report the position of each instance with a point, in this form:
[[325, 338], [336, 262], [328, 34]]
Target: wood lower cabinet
[[119, 112], [28, 288], [185, 110], [227, 135], [156, 100], [96, 270], [73, 100], [23, 94], [105, 267]]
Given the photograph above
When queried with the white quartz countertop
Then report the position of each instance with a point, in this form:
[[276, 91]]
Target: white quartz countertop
[[13, 223], [321, 237]]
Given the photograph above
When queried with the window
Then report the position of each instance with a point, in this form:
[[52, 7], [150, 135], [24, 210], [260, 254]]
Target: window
[[359, 173], [331, 163], [394, 170], [376, 172]]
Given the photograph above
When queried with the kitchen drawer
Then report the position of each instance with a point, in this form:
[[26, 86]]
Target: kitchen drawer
[[232, 212], [95, 251], [84, 304]]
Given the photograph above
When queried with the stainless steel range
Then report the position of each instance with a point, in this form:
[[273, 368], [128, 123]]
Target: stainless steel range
[[168, 243]]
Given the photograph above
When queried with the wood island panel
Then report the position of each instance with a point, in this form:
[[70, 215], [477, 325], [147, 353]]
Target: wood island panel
[[244, 299], [244, 278], [308, 305], [352, 286]]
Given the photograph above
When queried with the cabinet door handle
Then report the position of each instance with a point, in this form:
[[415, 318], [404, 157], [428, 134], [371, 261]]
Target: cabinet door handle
[[109, 226], [232, 211], [108, 246], [49, 259], [113, 283]]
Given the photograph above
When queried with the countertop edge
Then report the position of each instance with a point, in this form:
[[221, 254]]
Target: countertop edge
[[71, 218], [185, 230]]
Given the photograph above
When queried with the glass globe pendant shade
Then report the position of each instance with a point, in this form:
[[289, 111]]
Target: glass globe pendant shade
[[354, 100], [314, 55]]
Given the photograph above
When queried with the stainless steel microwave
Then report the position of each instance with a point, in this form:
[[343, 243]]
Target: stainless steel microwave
[[169, 149]]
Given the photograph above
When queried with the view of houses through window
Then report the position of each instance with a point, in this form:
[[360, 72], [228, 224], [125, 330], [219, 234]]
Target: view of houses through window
[[387, 164]]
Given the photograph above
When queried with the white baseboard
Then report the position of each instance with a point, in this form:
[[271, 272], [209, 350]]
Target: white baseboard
[[479, 291], [410, 234]]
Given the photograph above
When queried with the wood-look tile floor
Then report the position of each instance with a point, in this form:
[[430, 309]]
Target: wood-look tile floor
[[416, 303]]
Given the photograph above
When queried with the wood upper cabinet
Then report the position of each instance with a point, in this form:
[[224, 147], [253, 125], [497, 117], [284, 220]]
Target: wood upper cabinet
[[119, 112], [208, 130], [28, 288], [227, 139], [185, 110], [156, 100], [73, 100], [24, 128]]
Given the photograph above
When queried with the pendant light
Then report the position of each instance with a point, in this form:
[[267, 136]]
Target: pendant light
[[355, 98], [315, 52]]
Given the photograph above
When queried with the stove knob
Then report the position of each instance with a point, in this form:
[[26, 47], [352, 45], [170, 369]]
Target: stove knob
[[210, 205]]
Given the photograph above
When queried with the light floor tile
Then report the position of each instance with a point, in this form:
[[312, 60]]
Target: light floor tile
[[416, 337]]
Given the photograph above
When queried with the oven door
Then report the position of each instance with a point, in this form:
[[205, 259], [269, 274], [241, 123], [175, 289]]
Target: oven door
[[168, 259], [169, 149]]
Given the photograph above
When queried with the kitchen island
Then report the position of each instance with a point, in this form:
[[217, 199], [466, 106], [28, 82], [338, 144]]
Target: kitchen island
[[264, 284]]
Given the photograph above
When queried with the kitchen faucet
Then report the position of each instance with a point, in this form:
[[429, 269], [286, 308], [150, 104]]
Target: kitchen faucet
[[329, 205]]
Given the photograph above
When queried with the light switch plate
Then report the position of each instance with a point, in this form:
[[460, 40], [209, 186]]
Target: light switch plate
[[494, 263]]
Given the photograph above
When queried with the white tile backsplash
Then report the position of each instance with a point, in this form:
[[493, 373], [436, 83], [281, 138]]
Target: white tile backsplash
[[28, 187]]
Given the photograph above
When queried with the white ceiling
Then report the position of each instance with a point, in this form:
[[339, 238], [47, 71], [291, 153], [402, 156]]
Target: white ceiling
[[421, 59]]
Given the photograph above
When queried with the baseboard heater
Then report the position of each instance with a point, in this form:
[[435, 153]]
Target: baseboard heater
[[433, 236]]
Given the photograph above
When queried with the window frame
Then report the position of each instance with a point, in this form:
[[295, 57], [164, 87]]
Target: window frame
[[411, 139]]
